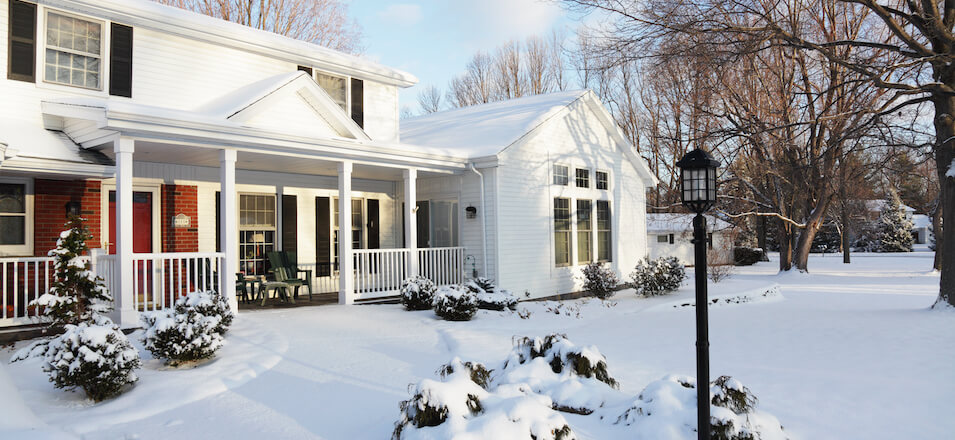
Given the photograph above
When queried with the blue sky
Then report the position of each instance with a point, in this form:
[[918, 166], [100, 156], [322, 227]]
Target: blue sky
[[434, 39]]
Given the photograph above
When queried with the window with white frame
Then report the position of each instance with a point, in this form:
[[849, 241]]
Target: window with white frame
[[603, 180], [16, 217], [562, 225], [356, 225], [335, 86], [583, 178], [73, 54], [561, 175], [444, 223], [256, 232], [662, 239], [584, 231], [604, 229]]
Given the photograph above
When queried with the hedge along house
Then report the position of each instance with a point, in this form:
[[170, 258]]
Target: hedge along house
[[554, 184], [193, 146]]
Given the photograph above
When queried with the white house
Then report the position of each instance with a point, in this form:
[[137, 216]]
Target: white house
[[670, 235], [922, 230], [193, 146]]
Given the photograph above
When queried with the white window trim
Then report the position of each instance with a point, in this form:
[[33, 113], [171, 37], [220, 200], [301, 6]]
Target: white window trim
[[42, 45], [591, 181], [25, 249], [608, 179], [155, 189], [316, 72], [553, 175]]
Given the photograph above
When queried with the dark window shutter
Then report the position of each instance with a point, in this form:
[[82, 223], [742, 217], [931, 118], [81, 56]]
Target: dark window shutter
[[323, 239], [121, 60], [21, 52], [307, 70], [289, 223], [424, 224], [374, 241], [358, 102]]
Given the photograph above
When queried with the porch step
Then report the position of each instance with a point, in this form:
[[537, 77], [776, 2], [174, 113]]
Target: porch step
[[394, 299]]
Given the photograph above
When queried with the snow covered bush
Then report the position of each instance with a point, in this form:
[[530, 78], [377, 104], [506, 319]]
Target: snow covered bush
[[458, 406], [895, 231], [455, 303], [75, 294], [417, 293], [659, 276], [666, 408], [94, 356], [600, 280], [191, 331], [488, 297]]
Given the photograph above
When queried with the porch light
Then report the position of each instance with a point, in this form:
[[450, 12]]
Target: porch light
[[698, 180], [72, 208], [698, 192], [470, 212]]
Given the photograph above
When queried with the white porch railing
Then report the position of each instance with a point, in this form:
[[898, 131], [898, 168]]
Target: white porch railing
[[443, 266], [24, 279], [379, 272], [158, 279]]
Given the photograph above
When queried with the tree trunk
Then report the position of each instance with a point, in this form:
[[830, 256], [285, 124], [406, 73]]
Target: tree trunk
[[761, 234], [808, 234], [785, 246], [944, 154], [844, 235], [937, 233]]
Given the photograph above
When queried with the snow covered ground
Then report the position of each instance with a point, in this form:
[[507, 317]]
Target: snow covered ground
[[848, 351]]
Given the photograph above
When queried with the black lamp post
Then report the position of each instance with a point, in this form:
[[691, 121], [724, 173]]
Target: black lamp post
[[698, 189]]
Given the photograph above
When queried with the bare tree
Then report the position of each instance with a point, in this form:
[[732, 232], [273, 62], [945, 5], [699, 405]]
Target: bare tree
[[429, 99], [509, 79], [323, 22], [475, 86]]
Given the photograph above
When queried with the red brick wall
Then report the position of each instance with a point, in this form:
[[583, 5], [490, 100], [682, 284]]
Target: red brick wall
[[50, 201], [179, 199]]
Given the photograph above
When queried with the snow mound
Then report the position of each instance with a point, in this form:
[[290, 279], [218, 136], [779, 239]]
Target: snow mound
[[762, 294], [666, 409]]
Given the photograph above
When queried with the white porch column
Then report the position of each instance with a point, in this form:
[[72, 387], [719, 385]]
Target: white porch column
[[228, 227], [346, 263], [411, 223], [125, 313]]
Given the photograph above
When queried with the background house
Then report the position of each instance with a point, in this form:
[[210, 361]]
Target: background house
[[670, 235]]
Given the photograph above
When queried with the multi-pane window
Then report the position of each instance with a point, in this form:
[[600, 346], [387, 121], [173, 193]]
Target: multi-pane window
[[73, 51], [356, 225], [583, 178], [604, 252], [13, 214], [562, 231], [335, 87], [584, 231], [444, 223], [256, 231], [561, 175], [662, 239], [603, 181]]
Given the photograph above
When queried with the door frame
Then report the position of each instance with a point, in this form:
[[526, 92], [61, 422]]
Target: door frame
[[156, 191]]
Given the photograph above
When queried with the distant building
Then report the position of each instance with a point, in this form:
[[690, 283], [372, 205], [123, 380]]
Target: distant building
[[670, 235], [922, 231]]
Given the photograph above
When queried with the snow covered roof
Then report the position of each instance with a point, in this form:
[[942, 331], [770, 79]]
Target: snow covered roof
[[670, 222], [485, 129], [168, 19], [33, 141], [878, 205], [921, 221]]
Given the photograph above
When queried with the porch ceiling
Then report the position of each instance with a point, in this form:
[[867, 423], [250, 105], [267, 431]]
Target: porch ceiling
[[158, 152]]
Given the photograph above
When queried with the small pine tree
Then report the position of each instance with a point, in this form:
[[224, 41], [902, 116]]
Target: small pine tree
[[895, 232], [76, 295]]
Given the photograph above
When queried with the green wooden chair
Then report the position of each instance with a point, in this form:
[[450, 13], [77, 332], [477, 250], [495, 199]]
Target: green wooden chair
[[241, 289], [286, 273]]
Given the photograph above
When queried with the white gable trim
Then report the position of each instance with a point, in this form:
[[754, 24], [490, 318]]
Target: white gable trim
[[302, 86]]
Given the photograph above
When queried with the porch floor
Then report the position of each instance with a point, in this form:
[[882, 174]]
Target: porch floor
[[318, 299]]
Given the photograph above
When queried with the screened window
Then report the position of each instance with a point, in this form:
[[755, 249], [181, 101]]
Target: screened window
[[603, 180], [584, 231], [444, 223], [561, 175], [662, 239], [256, 232], [604, 236], [13, 214], [562, 231], [335, 87], [73, 51], [583, 178]]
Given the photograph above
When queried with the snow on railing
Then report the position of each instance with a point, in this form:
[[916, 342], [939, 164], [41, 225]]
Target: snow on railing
[[24, 279]]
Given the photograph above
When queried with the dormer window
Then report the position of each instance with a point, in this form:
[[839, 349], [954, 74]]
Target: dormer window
[[335, 87], [73, 51]]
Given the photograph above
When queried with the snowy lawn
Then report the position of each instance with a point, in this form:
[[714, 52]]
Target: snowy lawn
[[848, 351]]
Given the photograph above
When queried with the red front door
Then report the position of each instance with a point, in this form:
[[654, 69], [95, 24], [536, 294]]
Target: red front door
[[142, 222]]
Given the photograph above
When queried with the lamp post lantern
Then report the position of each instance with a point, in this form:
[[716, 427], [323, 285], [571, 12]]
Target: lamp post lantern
[[698, 193]]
